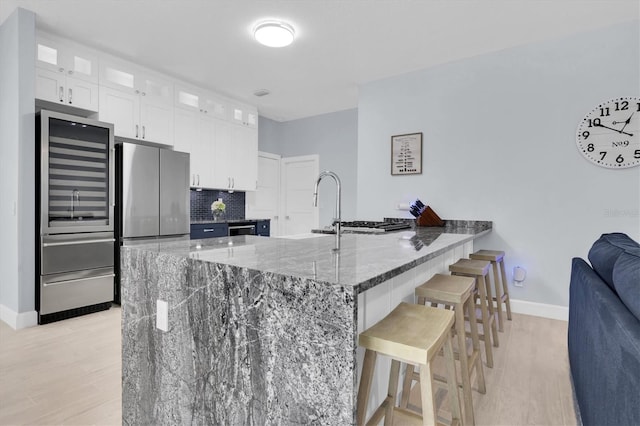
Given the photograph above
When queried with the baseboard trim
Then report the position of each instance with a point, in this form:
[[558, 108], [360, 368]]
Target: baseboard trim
[[17, 320], [540, 309]]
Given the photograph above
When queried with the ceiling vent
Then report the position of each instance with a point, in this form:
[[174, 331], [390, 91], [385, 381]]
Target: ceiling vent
[[261, 92]]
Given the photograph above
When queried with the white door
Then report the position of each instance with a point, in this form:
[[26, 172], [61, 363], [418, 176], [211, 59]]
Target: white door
[[264, 202], [299, 176]]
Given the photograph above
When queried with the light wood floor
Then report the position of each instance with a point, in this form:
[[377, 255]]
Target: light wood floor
[[69, 372]]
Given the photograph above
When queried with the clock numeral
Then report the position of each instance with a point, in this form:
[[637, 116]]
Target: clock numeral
[[604, 112], [604, 154], [622, 106], [636, 153], [594, 122], [585, 134], [590, 147], [619, 159]]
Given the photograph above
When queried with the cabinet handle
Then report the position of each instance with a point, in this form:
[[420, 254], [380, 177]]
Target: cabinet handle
[[193, 179], [70, 96], [137, 92], [233, 182], [136, 130], [143, 132], [61, 69], [61, 94], [198, 179], [275, 217], [70, 72], [208, 230], [228, 182]]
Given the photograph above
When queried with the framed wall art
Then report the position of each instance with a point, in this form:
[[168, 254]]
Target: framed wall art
[[406, 154]]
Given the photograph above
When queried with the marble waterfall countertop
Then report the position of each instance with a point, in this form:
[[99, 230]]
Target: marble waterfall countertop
[[255, 330], [363, 261]]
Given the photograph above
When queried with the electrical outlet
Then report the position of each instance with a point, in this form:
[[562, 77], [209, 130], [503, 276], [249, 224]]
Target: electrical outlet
[[162, 315]]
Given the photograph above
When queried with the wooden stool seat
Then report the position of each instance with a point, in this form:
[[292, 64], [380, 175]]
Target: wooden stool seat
[[448, 289], [501, 297], [490, 255], [457, 292], [470, 267], [413, 334], [479, 269]]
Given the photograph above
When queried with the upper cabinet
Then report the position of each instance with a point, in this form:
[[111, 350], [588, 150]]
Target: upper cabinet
[[66, 73], [244, 115], [202, 101], [137, 101], [220, 134]]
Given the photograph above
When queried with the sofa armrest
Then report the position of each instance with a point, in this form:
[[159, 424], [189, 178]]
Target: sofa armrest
[[604, 351]]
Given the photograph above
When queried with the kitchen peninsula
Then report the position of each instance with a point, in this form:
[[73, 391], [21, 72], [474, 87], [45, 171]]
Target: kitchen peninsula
[[264, 330]]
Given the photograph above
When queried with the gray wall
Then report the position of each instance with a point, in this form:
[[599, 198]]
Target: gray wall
[[17, 159], [334, 138], [499, 144]]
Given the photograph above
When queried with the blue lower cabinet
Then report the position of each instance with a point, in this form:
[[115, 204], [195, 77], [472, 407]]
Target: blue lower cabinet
[[263, 228], [209, 230]]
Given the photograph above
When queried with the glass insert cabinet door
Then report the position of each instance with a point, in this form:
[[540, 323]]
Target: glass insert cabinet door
[[77, 174]]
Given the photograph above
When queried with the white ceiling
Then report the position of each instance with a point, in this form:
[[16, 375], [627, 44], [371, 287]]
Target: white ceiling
[[340, 44]]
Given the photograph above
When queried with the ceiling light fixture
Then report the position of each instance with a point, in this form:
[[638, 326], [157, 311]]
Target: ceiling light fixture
[[273, 33]]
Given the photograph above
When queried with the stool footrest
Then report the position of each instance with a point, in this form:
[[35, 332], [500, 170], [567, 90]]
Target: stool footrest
[[380, 412]]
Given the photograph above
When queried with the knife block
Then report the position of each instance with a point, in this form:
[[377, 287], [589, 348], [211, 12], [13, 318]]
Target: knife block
[[429, 218]]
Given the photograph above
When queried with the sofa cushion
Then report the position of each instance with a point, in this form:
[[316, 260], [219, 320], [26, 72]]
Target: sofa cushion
[[606, 250], [626, 279]]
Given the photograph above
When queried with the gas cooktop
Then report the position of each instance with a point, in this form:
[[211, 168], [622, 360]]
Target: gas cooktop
[[367, 227]]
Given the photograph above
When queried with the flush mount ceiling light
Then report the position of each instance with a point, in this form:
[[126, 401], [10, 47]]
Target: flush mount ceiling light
[[273, 33]]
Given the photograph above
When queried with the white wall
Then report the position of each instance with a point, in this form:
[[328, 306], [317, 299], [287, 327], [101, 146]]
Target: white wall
[[499, 144], [17, 159], [334, 138]]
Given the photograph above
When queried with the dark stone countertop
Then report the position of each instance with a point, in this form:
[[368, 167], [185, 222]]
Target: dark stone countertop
[[203, 222]]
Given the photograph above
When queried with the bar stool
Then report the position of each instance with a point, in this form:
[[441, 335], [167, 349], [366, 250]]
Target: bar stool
[[457, 292], [502, 295], [413, 334], [479, 270]]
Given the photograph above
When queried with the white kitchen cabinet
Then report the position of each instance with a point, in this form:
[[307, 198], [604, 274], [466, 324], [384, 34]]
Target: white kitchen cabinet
[[66, 58], [147, 100], [122, 109], [195, 134], [244, 157], [56, 87], [244, 115], [236, 157], [195, 99], [66, 74]]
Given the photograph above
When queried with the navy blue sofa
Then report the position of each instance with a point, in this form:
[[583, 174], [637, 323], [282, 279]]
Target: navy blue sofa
[[604, 332]]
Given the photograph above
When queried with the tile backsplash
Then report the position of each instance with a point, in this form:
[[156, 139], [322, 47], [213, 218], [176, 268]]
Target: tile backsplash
[[201, 204]]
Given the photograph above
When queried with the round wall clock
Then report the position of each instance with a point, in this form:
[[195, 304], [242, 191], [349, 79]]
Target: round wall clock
[[609, 135]]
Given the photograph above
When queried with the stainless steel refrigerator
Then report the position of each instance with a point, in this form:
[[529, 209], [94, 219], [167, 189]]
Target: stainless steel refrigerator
[[152, 196], [75, 211]]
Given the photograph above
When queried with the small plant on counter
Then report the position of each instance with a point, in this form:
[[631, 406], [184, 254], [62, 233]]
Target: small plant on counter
[[218, 206]]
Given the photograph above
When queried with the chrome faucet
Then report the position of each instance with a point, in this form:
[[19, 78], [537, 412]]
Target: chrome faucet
[[336, 220]]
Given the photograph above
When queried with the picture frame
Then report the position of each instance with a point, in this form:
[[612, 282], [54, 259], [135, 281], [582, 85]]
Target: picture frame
[[406, 154]]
